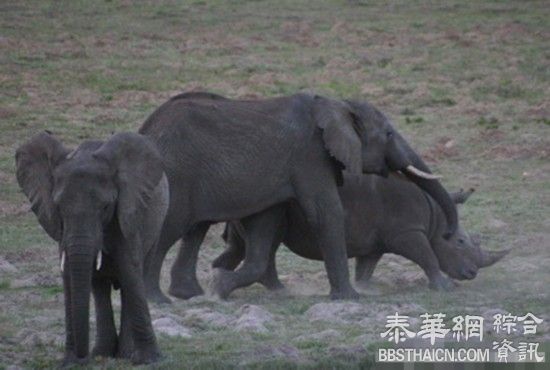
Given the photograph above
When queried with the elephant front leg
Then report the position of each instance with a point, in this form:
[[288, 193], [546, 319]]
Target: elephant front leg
[[125, 342], [135, 309], [184, 283], [364, 268], [325, 216], [106, 338], [416, 247]]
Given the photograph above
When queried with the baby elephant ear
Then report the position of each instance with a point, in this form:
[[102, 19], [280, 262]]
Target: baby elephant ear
[[341, 139], [35, 161], [138, 170]]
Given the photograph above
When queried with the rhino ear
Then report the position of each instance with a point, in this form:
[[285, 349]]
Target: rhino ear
[[35, 162], [460, 197], [337, 121]]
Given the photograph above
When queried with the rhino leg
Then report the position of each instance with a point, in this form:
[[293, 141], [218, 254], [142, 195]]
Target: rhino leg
[[416, 247], [234, 251], [234, 254], [259, 230], [442, 284], [271, 278], [364, 268]]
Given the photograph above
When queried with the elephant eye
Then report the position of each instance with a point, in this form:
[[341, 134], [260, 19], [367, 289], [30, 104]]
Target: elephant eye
[[389, 134], [461, 241]]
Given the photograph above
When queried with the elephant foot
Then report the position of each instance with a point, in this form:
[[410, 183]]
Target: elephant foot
[[158, 297], [443, 284], [186, 291], [347, 294], [124, 352], [125, 346], [104, 350], [272, 284], [70, 360], [362, 284], [146, 356], [221, 283]]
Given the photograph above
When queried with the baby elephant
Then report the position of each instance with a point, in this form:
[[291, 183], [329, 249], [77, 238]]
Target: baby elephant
[[383, 215], [104, 203]]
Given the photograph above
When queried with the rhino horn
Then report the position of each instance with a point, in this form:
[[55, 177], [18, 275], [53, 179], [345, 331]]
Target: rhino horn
[[489, 258]]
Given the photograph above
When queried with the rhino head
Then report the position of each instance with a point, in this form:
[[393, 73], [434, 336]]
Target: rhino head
[[461, 256]]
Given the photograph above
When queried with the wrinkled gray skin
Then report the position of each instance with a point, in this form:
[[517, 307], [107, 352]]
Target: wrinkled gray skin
[[109, 197], [383, 215], [228, 159]]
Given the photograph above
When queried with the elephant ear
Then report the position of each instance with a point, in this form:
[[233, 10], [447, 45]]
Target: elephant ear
[[35, 161], [138, 169], [340, 134]]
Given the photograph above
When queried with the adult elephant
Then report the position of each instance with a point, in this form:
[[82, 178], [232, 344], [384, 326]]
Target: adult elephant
[[227, 159]]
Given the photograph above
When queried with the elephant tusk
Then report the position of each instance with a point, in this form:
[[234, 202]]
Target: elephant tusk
[[99, 260], [415, 171], [62, 263]]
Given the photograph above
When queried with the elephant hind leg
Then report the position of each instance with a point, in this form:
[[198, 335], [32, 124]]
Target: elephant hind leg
[[183, 282]]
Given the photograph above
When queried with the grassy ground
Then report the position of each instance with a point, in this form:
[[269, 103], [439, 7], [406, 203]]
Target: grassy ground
[[466, 81]]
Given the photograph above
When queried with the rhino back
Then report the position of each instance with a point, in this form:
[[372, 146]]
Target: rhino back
[[376, 209], [383, 206]]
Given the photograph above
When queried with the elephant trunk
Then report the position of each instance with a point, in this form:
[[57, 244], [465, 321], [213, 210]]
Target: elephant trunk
[[80, 271], [440, 195], [401, 157], [488, 258]]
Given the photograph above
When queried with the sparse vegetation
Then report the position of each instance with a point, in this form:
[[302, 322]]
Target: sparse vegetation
[[414, 120], [488, 122], [445, 73]]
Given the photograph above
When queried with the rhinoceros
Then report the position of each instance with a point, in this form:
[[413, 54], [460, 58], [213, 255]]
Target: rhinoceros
[[383, 215]]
